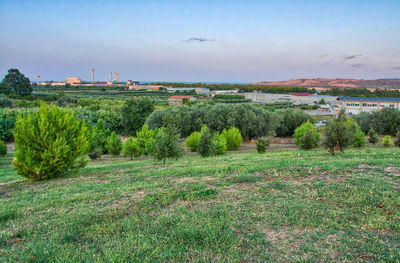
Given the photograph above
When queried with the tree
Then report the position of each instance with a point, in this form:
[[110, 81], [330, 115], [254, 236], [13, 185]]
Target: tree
[[134, 114], [386, 142], [193, 140], [131, 148], [206, 144], [16, 83], [372, 136], [220, 144], [397, 142], [306, 136], [233, 138], [5, 102], [339, 133], [292, 119], [114, 144], [166, 145], [3, 148], [145, 137], [359, 138], [100, 135], [262, 145], [49, 142], [321, 101]]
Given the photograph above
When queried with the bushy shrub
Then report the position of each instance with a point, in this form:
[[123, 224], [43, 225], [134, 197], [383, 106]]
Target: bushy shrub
[[134, 114], [220, 144], [339, 133], [145, 137], [306, 136], [114, 144], [397, 142], [131, 148], [233, 138], [3, 148], [359, 138], [49, 142], [5, 102], [99, 136], [166, 145], [386, 141], [206, 143], [372, 136], [193, 140], [262, 145], [95, 153], [290, 120]]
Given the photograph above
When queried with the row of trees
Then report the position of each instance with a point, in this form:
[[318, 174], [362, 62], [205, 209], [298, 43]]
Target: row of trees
[[339, 134], [252, 121], [385, 121]]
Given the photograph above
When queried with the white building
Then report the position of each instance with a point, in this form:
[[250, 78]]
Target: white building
[[355, 105], [266, 97]]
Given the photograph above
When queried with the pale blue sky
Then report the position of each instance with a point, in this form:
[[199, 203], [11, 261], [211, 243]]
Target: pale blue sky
[[245, 41]]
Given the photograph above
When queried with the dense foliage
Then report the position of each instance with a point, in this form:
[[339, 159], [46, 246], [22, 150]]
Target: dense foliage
[[205, 146], [385, 121], [3, 148], [386, 141], [362, 92], [291, 119], [16, 83], [262, 145], [131, 148], [307, 136], [233, 138], [134, 114], [359, 138], [340, 133], [397, 142], [48, 143], [145, 139], [5, 102], [220, 143], [251, 120], [114, 144], [192, 141], [372, 136], [166, 145]]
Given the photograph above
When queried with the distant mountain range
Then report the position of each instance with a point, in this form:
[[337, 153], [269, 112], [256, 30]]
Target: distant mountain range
[[336, 83]]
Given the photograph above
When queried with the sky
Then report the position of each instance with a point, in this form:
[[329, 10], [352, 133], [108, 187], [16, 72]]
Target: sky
[[206, 41]]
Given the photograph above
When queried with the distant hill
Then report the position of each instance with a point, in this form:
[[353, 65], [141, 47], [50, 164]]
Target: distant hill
[[338, 83]]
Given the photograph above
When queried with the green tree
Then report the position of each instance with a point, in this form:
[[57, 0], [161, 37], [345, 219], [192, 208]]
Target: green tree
[[145, 137], [134, 114], [233, 138], [359, 138], [397, 142], [193, 140], [306, 136], [131, 148], [290, 120], [49, 142], [3, 148], [166, 145], [262, 145], [5, 102], [16, 83], [372, 136], [100, 135], [340, 133], [220, 144], [114, 144], [386, 141], [206, 144]]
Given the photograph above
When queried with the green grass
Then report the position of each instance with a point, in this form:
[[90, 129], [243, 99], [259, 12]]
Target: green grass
[[240, 207]]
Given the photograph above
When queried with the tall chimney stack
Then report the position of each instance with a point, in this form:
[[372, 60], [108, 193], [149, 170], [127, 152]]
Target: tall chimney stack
[[111, 77], [92, 75], [37, 79]]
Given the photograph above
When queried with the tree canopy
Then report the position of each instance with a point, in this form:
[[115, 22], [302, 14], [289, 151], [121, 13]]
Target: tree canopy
[[16, 83]]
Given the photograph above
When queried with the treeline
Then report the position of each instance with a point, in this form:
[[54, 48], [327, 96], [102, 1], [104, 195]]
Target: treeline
[[385, 121], [252, 121], [243, 87], [362, 92]]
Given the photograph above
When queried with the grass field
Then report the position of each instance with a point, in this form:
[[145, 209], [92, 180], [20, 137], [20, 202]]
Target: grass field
[[241, 207]]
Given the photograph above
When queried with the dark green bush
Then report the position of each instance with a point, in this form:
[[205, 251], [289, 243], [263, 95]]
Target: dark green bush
[[114, 144], [131, 148], [372, 136], [306, 136], [3, 148], [166, 145], [262, 145], [206, 144]]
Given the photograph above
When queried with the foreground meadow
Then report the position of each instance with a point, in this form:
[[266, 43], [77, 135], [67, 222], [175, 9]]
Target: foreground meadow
[[240, 207]]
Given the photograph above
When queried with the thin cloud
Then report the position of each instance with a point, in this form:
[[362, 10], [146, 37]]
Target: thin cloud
[[352, 57], [396, 68], [323, 56], [358, 65], [199, 39]]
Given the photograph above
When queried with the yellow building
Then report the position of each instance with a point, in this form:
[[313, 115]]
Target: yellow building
[[73, 80]]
